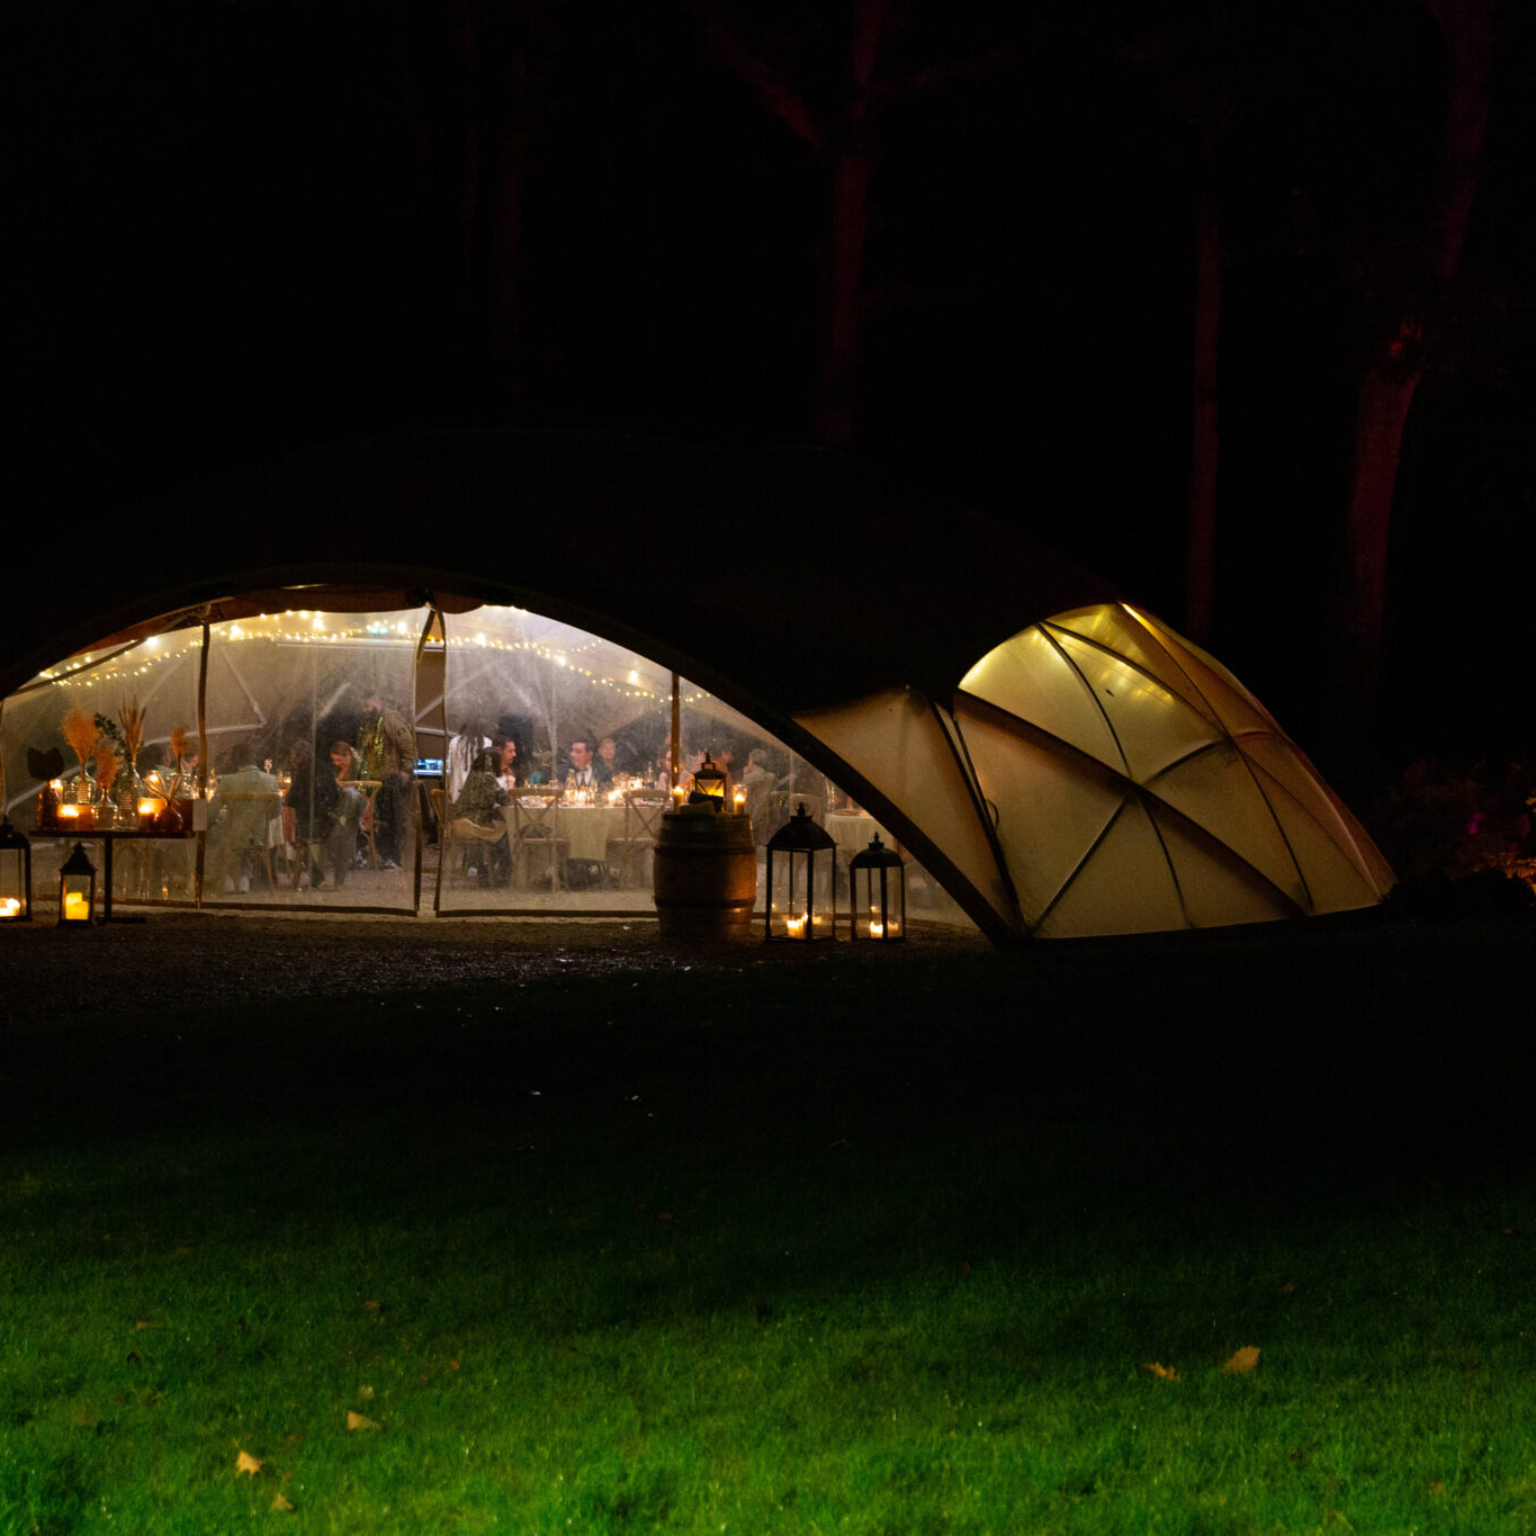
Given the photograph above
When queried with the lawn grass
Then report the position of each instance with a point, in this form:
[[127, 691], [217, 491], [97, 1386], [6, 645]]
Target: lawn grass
[[830, 1246]]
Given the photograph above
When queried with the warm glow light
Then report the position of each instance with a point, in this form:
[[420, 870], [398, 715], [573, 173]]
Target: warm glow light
[[9, 907], [740, 797], [677, 794], [795, 925], [76, 908], [876, 930], [69, 812], [150, 807]]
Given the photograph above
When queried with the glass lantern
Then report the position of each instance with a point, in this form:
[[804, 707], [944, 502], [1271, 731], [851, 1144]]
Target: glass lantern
[[877, 892], [77, 890], [802, 861], [15, 874], [710, 784]]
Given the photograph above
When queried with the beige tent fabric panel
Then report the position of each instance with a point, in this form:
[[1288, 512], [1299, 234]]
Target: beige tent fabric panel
[[1110, 626], [1281, 760], [1027, 676], [1218, 891], [1218, 792], [1236, 708], [1126, 886], [1369, 855], [894, 740], [1336, 881], [1155, 727], [1049, 811]]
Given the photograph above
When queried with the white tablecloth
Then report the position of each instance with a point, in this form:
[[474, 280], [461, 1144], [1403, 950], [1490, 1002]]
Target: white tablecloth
[[853, 834], [586, 827]]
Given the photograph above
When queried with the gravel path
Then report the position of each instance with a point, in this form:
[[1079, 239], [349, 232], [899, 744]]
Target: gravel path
[[183, 958]]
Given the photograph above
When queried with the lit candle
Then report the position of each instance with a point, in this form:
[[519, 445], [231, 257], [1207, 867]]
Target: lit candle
[[9, 907], [76, 907], [740, 796], [150, 807], [677, 794], [795, 925], [69, 812], [876, 930]]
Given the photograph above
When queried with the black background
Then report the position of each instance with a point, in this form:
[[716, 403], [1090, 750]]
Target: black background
[[236, 231]]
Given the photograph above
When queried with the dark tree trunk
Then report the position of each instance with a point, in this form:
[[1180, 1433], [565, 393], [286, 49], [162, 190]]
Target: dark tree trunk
[[849, 170], [1200, 545], [1387, 387]]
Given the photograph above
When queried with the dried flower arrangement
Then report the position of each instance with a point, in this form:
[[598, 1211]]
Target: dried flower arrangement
[[178, 743], [131, 713], [107, 764], [81, 734]]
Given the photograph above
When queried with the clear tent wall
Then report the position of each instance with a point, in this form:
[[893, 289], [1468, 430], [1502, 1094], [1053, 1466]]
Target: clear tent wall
[[302, 815]]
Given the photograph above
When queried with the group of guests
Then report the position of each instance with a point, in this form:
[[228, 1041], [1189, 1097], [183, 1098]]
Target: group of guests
[[325, 811], [482, 774]]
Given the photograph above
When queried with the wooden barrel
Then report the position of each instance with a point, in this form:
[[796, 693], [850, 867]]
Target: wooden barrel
[[705, 878]]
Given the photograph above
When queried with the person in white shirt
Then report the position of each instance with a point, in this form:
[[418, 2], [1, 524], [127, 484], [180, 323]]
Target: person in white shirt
[[244, 822], [581, 775]]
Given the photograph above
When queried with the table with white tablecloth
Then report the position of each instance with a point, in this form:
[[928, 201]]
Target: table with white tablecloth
[[586, 828], [853, 832]]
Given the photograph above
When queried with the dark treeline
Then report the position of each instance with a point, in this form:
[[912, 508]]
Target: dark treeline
[[971, 253]]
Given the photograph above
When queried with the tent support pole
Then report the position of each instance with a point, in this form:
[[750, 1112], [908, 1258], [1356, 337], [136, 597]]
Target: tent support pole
[[202, 755], [676, 754]]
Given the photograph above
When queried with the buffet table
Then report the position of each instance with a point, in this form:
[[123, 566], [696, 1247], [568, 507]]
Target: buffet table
[[107, 836]]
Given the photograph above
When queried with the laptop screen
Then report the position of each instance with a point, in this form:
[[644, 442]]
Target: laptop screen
[[429, 767]]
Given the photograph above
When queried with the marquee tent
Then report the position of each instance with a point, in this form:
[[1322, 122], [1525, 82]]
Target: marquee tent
[[1057, 760]]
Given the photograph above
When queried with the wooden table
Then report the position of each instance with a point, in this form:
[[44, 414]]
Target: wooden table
[[107, 836]]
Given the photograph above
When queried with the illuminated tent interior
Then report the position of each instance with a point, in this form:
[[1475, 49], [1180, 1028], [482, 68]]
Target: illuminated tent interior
[[1092, 774]]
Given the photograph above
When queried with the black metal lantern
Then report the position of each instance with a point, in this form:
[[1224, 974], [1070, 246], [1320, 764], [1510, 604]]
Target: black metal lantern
[[710, 784], [15, 874], [77, 890], [806, 863], [877, 892]]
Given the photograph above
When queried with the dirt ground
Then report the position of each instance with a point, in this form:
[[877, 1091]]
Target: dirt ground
[[180, 959]]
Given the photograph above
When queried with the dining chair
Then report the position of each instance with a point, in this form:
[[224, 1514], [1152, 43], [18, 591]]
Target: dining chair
[[643, 810], [536, 834]]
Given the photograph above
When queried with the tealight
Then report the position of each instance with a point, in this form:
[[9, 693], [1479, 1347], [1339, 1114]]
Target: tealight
[[9, 907]]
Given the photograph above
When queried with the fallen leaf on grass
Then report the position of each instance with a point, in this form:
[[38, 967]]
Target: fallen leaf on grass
[[361, 1421], [140, 1326], [1289, 1288], [1162, 1372], [282, 1505], [364, 1393], [247, 1464], [1244, 1360], [370, 1306], [1437, 1486]]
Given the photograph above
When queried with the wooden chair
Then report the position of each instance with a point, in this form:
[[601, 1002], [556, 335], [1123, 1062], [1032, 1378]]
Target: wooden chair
[[536, 834], [458, 836], [248, 830], [369, 788], [643, 810]]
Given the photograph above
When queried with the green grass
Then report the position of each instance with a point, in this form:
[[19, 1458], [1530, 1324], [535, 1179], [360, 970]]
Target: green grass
[[830, 1247]]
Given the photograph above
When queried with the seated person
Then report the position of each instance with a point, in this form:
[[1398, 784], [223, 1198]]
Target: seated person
[[480, 802], [603, 765], [310, 803], [504, 750], [340, 829], [243, 825]]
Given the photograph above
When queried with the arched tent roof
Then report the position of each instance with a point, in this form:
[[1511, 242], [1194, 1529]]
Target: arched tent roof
[[930, 686]]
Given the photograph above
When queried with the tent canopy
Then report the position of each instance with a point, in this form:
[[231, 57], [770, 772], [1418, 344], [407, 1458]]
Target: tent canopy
[[1060, 761]]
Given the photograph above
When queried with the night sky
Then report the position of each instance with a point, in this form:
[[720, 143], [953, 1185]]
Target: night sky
[[238, 229]]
